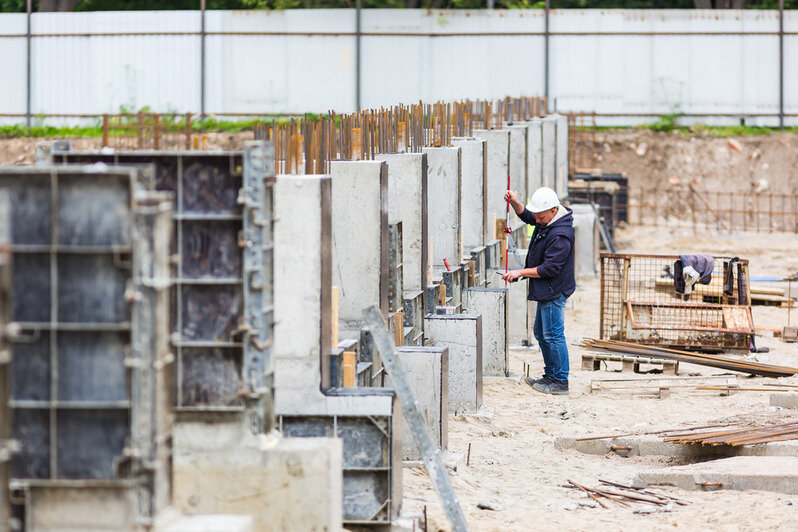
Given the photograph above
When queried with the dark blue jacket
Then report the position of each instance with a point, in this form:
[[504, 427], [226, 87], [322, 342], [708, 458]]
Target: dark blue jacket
[[552, 253]]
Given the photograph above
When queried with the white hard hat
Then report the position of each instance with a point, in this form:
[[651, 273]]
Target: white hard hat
[[543, 199]]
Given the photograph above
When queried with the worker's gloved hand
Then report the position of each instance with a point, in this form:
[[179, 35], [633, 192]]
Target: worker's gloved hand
[[510, 196], [512, 276]]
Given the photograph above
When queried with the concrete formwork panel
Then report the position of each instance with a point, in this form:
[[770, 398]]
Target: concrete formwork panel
[[427, 370], [284, 484], [549, 157], [407, 202], [359, 238], [462, 335], [534, 166], [561, 157], [443, 214], [304, 403], [519, 329], [498, 141], [518, 166], [492, 304], [473, 193], [587, 241]]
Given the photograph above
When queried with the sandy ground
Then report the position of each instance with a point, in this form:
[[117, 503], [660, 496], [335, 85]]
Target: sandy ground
[[516, 467]]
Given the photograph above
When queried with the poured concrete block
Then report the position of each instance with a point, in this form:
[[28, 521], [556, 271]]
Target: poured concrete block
[[784, 400], [492, 304], [765, 473], [561, 157], [473, 193], [359, 263], [407, 202], [427, 371], [443, 215], [586, 243], [498, 169], [534, 160], [283, 484], [549, 156], [518, 167], [462, 335], [210, 523]]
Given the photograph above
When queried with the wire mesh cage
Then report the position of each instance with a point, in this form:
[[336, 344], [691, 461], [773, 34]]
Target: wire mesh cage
[[644, 300]]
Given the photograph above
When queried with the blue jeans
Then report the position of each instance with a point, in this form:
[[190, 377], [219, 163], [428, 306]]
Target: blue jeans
[[550, 333]]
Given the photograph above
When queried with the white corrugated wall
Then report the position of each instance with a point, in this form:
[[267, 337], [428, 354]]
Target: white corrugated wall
[[655, 74]]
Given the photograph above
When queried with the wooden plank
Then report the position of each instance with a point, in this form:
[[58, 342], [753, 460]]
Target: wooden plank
[[399, 328], [350, 369]]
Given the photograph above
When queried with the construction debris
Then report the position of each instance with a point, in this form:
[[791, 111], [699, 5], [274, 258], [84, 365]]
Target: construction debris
[[740, 437], [743, 366], [627, 495], [662, 386]]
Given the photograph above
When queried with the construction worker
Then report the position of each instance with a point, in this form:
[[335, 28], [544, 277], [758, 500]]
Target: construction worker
[[549, 267]]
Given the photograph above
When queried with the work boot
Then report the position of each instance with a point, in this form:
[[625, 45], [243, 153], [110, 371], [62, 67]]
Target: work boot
[[552, 387], [543, 380]]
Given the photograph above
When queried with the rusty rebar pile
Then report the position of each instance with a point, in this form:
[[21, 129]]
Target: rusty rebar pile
[[743, 366], [740, 437]]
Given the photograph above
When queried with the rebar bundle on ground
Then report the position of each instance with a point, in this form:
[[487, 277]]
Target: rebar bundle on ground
[[740, 437], [743, 366]]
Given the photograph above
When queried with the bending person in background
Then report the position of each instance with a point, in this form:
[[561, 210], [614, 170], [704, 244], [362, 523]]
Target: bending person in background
[[549, 267]]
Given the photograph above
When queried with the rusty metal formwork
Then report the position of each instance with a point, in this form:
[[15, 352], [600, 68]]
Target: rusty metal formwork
[[639, 303], [222, 284], [90, 388], [6, 445]]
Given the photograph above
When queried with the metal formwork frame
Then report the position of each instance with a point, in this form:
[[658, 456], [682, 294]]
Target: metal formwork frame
[[91, 241], [5, 359], [222, 199]]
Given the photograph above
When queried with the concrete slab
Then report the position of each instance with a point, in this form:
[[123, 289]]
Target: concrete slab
[[498, 169], [443, 203], [654, 446], [427, 370], [473, 193], [765, 473], [784, 400], [462, 334], [492, 304], [359, 198], [283, 484], [407, 202]]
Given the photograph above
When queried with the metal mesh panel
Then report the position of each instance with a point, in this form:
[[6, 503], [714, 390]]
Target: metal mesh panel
[[641, 302]]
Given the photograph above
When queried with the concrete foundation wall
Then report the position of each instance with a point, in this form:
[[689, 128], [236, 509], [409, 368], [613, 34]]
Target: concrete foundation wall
[[549, 156], [443, 204], [518, 166], [498, 170], [427, 370], [492, 305], [61, 509], [284, 484], [534, 166], [587, 241], [473, 212], [462, 335], [407, 202], [359, 238], [561, 155]]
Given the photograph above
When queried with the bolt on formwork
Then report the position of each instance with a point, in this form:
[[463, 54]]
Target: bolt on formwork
[[89, 380], [222, 297], [643, 302]]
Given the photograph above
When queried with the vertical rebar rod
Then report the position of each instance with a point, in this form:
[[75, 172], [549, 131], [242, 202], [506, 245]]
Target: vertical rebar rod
[[28, 60]]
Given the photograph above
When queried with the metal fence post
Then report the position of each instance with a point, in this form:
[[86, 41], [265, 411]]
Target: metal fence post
[[357, 55], [546, 53], [781, 64], [202, 58], [28, 69]]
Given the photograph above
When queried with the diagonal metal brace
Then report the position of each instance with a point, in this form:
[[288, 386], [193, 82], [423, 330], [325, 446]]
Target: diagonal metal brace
[[430, 453]]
